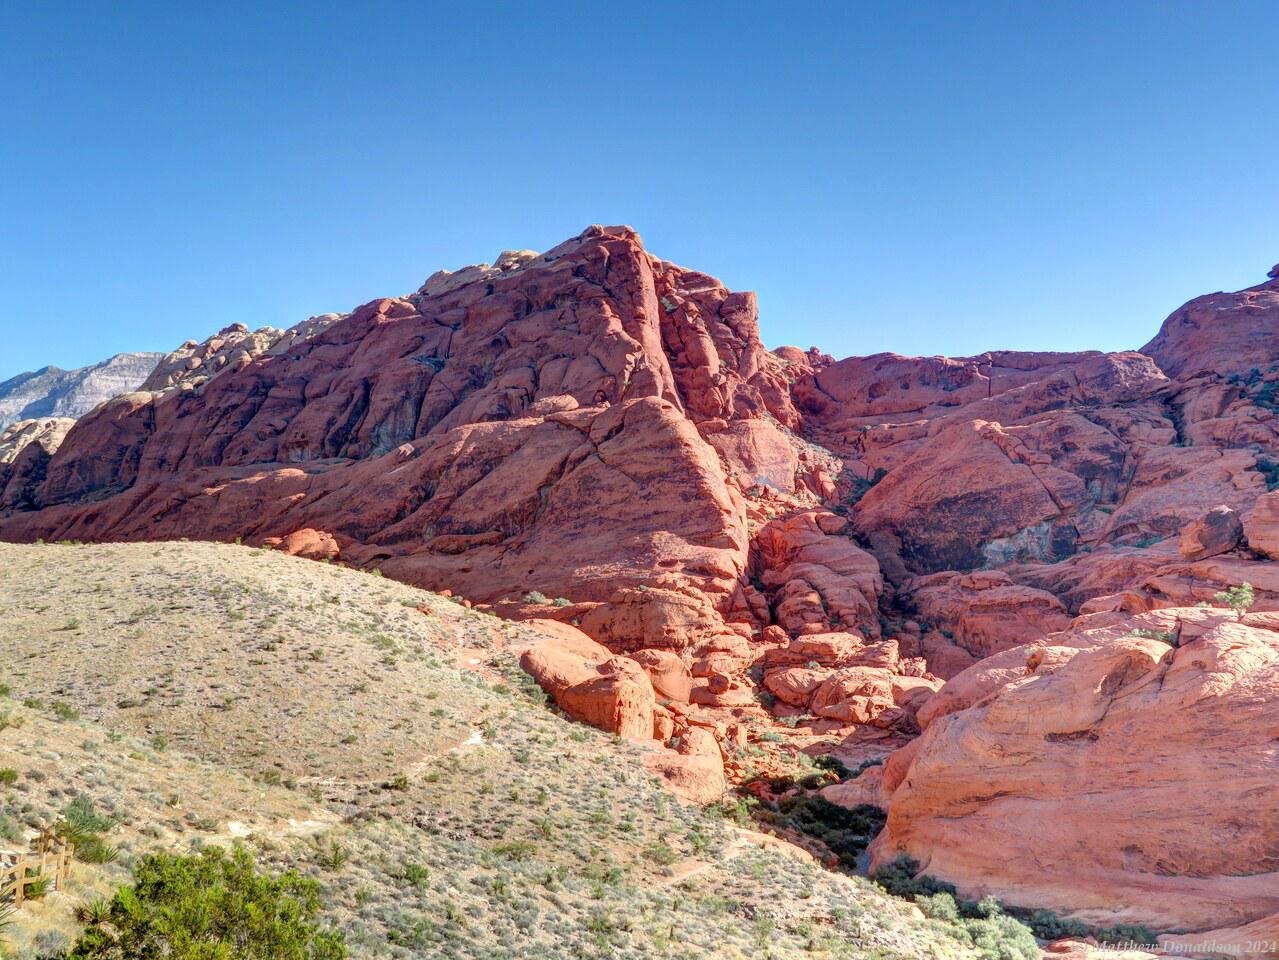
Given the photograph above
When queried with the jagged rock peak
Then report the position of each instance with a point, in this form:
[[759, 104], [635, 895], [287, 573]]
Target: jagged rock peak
[[511, 261], [193, 364]]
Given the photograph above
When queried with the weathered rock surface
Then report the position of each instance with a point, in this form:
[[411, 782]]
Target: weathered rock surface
[[536, 429], [1221, 333], [1261, 526], [592, 421], [232, 348], [590, 684], [1249, 941], [986, 611], [619, 694], [53, 392], [1217, 531], [1107, 775], [817, 578]]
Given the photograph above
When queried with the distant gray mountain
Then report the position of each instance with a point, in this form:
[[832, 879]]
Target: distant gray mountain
[[53, 392]]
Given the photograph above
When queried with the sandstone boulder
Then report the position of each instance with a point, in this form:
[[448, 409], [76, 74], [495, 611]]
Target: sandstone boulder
[[1217, 531], [819, 578], [698, 778], [795, 685], [854, 695], [311, 544], [590, 684], [669, 674], [618, 698], [986, 611]]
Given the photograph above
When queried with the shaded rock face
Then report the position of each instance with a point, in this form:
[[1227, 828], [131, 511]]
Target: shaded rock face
[[53, 392], [26, 447], [1026, 473], [1104, 774]]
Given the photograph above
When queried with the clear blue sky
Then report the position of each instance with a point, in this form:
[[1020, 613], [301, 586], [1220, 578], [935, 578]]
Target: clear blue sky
[[926, 178]]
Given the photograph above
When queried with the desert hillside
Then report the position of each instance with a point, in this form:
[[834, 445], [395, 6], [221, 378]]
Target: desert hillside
[[381, 739]]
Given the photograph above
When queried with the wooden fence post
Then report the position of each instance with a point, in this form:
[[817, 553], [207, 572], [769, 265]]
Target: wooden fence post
[[54, 861]]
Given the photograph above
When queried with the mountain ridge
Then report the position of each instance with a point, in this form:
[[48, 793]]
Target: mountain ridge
[[54, 392]]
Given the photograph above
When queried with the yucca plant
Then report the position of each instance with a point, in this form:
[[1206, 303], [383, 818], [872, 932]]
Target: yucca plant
[[94, 912], [38, 888], [93, 849], [80, 821]]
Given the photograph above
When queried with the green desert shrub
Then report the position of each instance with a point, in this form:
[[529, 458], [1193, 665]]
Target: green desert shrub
[[211, 906], [984, 924], [845, 831], [1001, 937], [1239, 599], [1146, 633], [998, 932], [902, 878]]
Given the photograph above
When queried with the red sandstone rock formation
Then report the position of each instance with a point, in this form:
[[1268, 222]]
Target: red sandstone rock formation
[[1261, 526], [1107, 775], [1221, 333], [592, 422], [619, 694], [537, 427], [598, 436], [985, 611], [1217, 531]]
